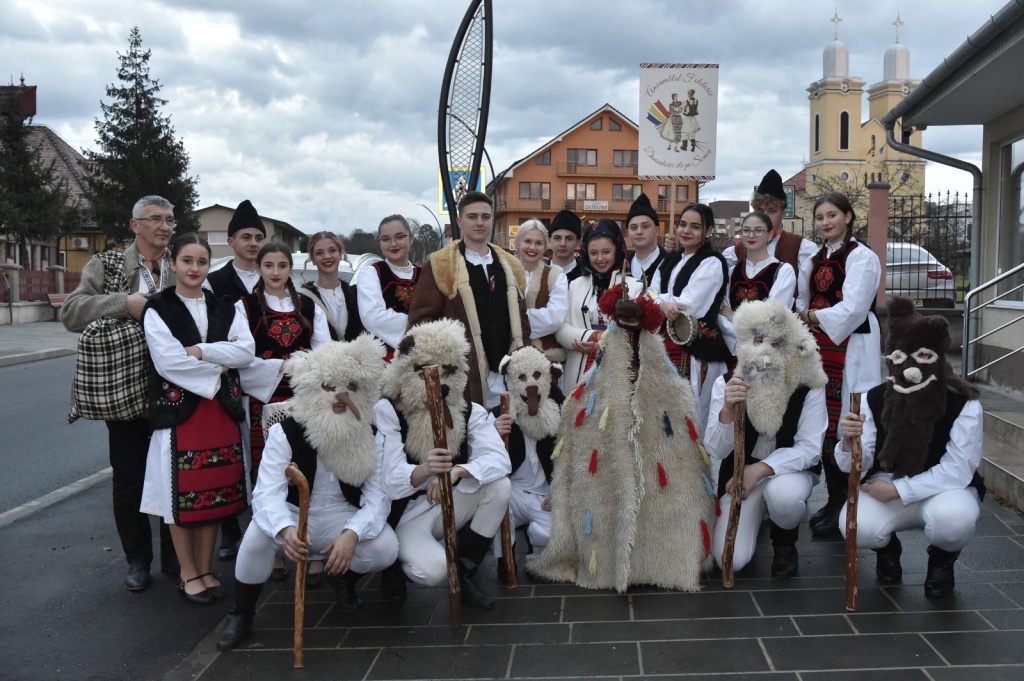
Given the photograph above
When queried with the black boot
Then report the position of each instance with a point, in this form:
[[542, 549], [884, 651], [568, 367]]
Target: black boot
[[230, 537], [786, 562], [239, 621], [888, 570], [392, 583], [472, 549], [826, 521], [473, 595], [345, 588], [940, 581]]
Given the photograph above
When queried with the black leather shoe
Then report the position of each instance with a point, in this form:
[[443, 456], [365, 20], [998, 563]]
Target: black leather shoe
[[786, 562], [236, 628], [279, 574], [230, 538], [888, 570], [345, 589], [201, 598], [137, 578], [216, 592], [939, 581], [392, 583], [314, 580], [827, 523], [474, 596]]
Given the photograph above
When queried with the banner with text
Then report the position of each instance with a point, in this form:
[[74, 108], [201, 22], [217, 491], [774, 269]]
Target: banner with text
[[678, 121]]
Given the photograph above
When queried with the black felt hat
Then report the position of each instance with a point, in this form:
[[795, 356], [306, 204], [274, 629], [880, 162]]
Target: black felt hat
[[246, 216], [566, 220], [642, 206], [771, 185]]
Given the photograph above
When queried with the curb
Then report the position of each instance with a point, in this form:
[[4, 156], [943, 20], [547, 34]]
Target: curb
[[26, 357], [58, 495]]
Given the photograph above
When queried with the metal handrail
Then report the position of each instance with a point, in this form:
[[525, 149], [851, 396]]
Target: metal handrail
[[968, 313]]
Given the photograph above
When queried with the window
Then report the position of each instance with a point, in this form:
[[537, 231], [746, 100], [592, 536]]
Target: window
[[596, 125], [582, 157], [581, 191], [544, 159], [614, 125], [844, 131], [625, 158], [844, 176], [217, 238], [626, 192], [817, 133], [535, 190], [665, 194]]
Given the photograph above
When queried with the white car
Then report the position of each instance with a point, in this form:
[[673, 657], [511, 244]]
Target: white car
[[913, 272], [303, 270]]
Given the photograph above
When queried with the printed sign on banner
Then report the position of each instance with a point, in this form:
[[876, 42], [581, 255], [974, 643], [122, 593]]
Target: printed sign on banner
[[678, 121]]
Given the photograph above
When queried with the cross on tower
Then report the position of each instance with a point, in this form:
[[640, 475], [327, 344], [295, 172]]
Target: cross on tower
[[836, 20], [899, 22]]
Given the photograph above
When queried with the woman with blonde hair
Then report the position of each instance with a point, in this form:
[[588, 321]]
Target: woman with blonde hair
[[547, 289], [335, 297]]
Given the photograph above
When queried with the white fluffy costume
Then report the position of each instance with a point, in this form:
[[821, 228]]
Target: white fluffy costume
[[632, 502]]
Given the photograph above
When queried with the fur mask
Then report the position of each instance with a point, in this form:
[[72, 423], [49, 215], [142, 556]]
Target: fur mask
[[442, 343], [336, 386], [535, 400], [915, 396], [776, 354]]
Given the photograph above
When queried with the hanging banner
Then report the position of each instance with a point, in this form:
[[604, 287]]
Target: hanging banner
[[678, 121]]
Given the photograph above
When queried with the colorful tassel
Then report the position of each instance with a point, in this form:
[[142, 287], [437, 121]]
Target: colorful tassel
[[693, 429], [706, 536], [604, 418], [662, 476], [707, 484], [591, 403], [558, 449], [587, 524], [579, 417], [578, 392], [593, 462], [668, 426], [704, 453], [593, 561]]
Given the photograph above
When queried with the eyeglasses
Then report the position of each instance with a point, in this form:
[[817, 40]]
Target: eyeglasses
[[156, 220], [755, 231]]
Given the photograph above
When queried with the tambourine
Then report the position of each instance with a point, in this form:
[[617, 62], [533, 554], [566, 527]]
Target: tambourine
[[683, 330]]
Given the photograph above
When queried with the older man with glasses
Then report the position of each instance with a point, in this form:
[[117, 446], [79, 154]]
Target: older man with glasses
[[118, 286]]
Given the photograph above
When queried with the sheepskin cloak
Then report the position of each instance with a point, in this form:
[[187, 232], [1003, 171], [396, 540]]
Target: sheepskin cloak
[[631, 496]]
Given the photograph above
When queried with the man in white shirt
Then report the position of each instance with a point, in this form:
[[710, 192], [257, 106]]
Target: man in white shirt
[[642, 227], [246, 234], [564, 232]]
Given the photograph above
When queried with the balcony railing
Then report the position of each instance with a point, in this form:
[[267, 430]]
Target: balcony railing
[[598, 170], [557, 203]]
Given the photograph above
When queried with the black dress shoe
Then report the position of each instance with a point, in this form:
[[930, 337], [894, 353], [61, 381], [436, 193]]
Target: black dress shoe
[[827, 523], [888, 570], [473, 595], [201, 598], [216, 592], [314, 580], [236, 628], [786, 562], [345, 589], [392, 583], [137, 578], [230, 538], [939, 581]]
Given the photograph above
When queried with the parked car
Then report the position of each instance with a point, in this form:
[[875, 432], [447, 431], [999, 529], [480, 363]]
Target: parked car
[[913, 272], [304, 271]]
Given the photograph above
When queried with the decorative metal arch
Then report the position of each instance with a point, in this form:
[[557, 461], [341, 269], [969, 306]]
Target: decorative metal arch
[[465, 99]]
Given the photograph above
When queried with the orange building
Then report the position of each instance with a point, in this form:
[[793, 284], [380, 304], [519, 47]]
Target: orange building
[[590, 169]]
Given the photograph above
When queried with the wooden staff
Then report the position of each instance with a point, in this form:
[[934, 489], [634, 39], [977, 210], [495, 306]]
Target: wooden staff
[[739, 453], [507, 552], [853, 493], [299, 480], [436, 405]]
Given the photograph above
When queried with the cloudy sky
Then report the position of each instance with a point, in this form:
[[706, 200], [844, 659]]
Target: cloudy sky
[[324, 113]]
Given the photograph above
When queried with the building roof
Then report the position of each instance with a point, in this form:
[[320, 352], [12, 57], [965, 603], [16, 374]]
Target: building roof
[[280, 224], [799, 181], [973, 85], [67, 161]]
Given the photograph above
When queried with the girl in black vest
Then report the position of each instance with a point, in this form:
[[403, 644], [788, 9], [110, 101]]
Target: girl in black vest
[[195, 470], [385, 288], [336, 298], [695, 278]]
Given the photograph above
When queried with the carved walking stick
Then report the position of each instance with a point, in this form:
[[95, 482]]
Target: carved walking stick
[[299, 480], [739, 453], [853, 493], [507, 552], [436, 405]]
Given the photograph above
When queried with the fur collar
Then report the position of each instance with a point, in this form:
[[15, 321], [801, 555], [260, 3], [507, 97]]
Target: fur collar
[[449, 269]]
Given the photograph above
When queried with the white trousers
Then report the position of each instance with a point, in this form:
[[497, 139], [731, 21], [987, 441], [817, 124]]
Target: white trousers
[[256, 553], [948, 519], [420, 538], [524, 509], [782, 497]]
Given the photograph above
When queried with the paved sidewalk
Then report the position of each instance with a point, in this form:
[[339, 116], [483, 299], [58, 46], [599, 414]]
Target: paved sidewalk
[[20, 343]]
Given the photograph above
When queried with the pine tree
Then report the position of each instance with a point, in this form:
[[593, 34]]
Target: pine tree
[[139, 154], [33, 198]]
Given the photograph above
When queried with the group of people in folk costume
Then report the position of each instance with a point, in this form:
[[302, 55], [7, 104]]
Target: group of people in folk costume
[[613, 483]]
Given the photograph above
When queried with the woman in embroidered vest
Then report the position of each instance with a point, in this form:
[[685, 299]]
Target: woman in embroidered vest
[[385, 288], [695, 278], [758, 276], [604, 252], [195, 470], [335, 297], [547, 290], [839, 309]]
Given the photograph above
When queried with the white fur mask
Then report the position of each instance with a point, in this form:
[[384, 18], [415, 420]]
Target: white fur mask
[[336, 386], [528, 377]]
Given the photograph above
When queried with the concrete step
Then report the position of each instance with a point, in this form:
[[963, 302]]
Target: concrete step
[[1002, 464], [1005, 426]]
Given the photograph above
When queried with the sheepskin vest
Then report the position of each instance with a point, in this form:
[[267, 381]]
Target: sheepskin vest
[[939, 437], [305, 457], [709, 345], [171, 404], [743, 288], [827, 277], [538, 293], [784, 438]]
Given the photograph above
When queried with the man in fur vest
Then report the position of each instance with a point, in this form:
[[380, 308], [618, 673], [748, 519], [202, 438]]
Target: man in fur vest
[[631, 500], [480, 286], [535, 411], [780, 380], [329, 435], [475, 460], [922, 439]]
